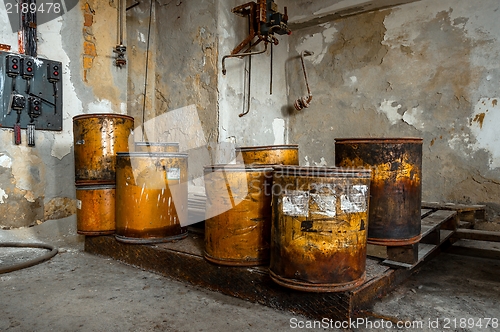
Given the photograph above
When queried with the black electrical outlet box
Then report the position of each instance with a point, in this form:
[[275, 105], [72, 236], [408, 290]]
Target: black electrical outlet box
[[53, 72], [28, 69], [40, 82], [13, 65], [35, 109], [18, 102]]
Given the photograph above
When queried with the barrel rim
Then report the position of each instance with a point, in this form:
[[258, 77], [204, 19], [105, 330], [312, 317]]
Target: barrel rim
[[238, 168], [102, 115], [95, 186], [267, 147], [152, 154], [157, 143], [321, 171], [393, 140]]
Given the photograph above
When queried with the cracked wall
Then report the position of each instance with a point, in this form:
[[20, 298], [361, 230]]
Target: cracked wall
[[37, 183], [181, 80], [424, 69]]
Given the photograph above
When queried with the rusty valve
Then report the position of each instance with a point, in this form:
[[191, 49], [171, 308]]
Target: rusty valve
[[304, 102]]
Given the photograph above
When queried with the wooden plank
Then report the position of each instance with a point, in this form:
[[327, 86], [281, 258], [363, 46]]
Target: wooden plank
[[452, 206], [479, 235], [483, 249], [423, 251], [183, 261], [405, 254]]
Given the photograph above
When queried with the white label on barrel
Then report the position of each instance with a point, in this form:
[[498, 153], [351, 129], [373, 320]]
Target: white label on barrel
[[78, 204], [80, 142], [355, 200], [323, 205], [173, 174], [295, 203]]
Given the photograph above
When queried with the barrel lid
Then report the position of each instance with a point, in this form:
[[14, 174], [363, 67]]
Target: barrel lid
[[378, 140], [102, 115], [237, 168], [268, 147], [321, 171], [157, 143], [153, 154]]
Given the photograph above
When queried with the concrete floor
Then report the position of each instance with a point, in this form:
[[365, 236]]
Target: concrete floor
[[76, 291]]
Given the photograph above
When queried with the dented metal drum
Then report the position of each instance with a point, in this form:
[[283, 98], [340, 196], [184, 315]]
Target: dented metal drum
[[151, 197], [319, 228], [272, 154], [238, 211], [95, 214], [156, 147], [396, 186], [97, 139]]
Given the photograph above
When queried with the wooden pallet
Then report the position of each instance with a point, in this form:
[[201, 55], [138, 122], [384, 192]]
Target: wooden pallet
[[183, 261], [467, 214], [437, 227]]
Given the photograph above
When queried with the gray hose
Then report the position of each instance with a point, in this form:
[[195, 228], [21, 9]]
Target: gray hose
[[53, 251]]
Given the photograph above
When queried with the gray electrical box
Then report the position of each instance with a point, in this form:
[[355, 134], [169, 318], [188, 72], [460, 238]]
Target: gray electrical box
[[30, 92]]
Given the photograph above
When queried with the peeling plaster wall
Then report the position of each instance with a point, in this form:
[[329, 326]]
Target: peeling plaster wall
[[181, 82], [426, 69], [37, 183], [266, 121]]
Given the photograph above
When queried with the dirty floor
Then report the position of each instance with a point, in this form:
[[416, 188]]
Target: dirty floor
[[76, 291]]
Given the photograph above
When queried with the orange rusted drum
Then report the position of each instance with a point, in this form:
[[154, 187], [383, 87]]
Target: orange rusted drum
[[97, 139], [151, 197], [319, 228], [272, 154], [238, 210], [396, 186], [95, 214], [156, 147]]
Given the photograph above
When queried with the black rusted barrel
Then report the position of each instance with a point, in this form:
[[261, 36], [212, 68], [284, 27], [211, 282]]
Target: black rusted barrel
[[318, 230], [396, 186]]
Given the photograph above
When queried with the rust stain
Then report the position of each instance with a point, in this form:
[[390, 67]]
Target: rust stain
[[239, 233], [60, 207], [318, 237], [494, 102], [432, 142], [479, 118], [273, 154]]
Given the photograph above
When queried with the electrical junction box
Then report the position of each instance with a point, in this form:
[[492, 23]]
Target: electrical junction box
[[30, 92]]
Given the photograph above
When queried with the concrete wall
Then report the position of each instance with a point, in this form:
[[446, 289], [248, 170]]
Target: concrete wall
[[427, 69], [37, 183]]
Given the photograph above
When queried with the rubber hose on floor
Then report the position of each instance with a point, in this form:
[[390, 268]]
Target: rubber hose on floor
[[38, 260]]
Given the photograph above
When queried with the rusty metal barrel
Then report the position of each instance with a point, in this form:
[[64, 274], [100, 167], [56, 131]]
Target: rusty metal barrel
[[271, 154], [97, 139], [319, 228], [151, 197], [95, 214], [396, 185], [156, 147], [238, 210]]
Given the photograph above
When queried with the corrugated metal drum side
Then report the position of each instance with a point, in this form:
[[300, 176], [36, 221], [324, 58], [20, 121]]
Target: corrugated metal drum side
[[97, 138], [319, 228], [396, 186], [238, 209], [151, 197], [95, 214]]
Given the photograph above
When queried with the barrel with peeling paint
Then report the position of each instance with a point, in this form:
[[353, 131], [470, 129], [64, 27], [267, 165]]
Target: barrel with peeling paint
[[151, 197], [319, 228], [396, 187], [156, 147], [270, 155], [95, 214], [238, 210], [97, 139]]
